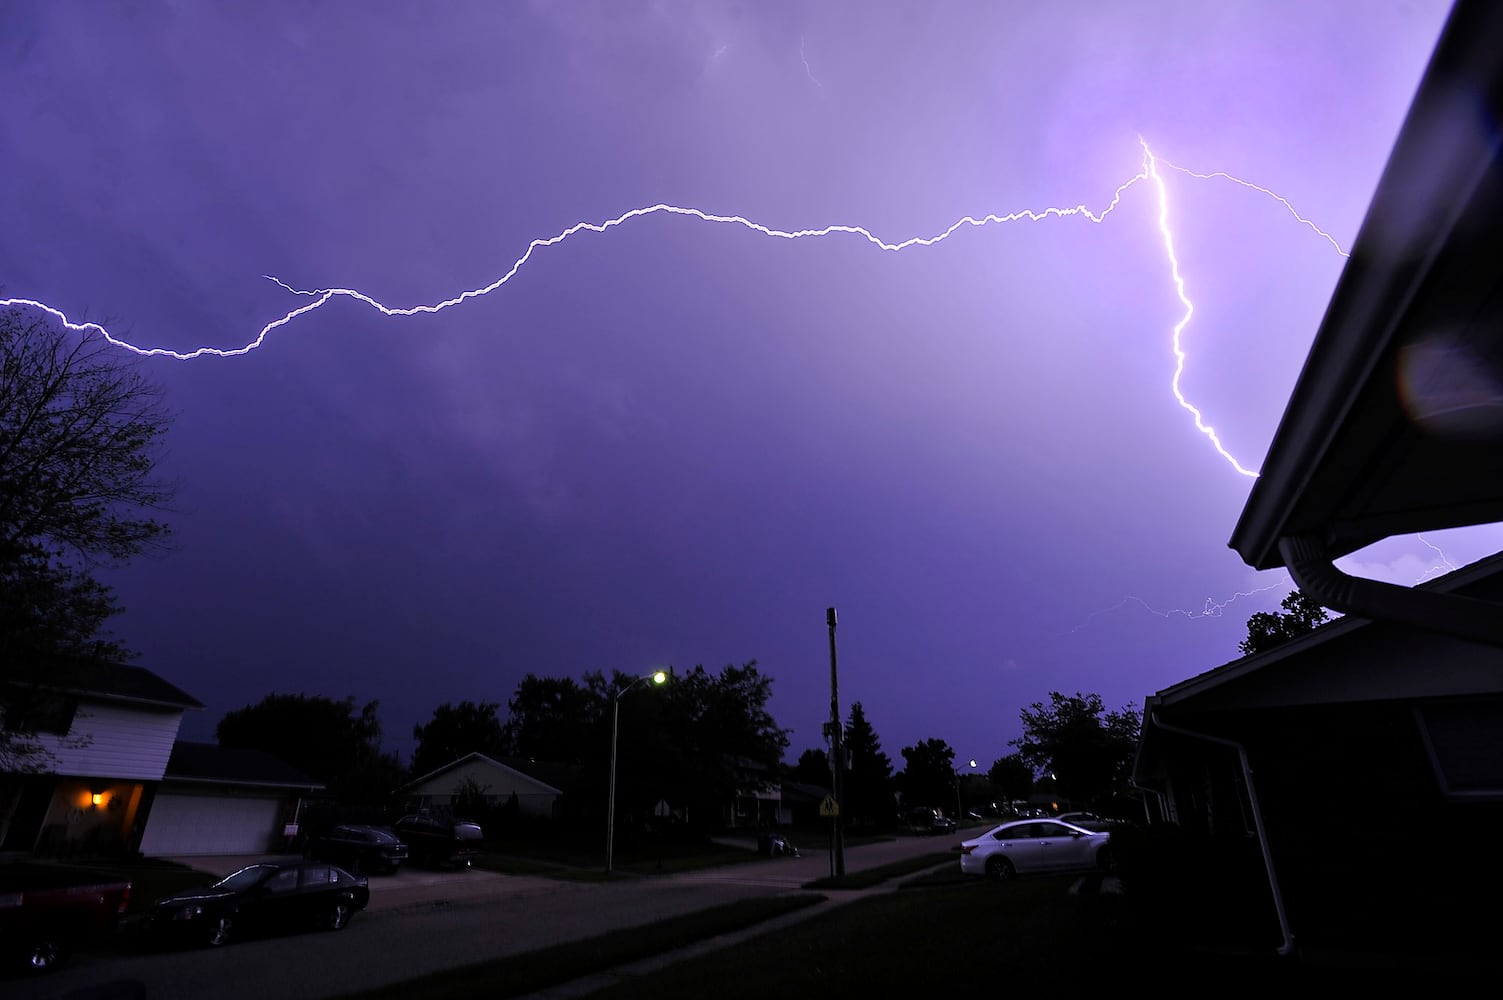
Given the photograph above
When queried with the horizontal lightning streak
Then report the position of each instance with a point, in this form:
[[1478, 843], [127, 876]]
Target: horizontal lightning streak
[[1211, 609], [323, 295]]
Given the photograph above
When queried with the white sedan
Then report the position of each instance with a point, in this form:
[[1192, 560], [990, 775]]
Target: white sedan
[[1027, 846]]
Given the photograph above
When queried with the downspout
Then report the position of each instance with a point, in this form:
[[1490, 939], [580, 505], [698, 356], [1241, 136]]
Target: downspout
[[1449, 614], [1287, 948]]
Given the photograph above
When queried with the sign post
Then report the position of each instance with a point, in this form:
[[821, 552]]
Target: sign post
[[830, 809]]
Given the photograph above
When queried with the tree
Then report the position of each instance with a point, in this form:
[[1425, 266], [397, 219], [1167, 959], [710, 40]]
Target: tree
[[457, 730], [928, 777], [1266, 629], [79, 431], [80, 428], [813, 768], [1087, 749], [327, 739], [868, 779], [1012, 776], [555, 718]]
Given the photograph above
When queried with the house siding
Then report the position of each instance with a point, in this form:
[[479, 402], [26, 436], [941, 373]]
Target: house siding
[[497, 782], [119, 741]]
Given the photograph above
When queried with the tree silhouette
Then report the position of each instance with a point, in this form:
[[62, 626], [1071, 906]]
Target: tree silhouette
[[1267, 629], [867, 783]]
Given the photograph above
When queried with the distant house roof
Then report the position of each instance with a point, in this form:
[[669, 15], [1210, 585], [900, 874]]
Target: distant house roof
[[553, 776], [1395, 425], [802, 791], [210, 763], [119, 682]]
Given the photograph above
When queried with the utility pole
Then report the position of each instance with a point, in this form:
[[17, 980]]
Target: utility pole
[[837, 752]]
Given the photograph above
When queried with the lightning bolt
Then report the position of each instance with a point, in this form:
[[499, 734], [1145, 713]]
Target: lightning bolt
[[805, 60], [1445, 564], [1179, 328], [1148, 172], [1211, 609]]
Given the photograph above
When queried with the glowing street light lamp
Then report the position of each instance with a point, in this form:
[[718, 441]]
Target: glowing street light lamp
[[958, 774], [656, 677]]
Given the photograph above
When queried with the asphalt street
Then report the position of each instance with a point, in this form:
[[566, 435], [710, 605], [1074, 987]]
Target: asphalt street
[[421, 922]]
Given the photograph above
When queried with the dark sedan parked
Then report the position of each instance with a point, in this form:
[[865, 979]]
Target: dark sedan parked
[[260, 900], [439, 841], [360, 848]]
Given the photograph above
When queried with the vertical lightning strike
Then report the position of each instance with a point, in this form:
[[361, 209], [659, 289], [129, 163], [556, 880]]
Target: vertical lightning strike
[[1151, 166], [805, 60]]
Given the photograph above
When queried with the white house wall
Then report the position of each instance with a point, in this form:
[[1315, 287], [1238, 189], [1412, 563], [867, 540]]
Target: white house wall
[[121, 742], [497, 781]]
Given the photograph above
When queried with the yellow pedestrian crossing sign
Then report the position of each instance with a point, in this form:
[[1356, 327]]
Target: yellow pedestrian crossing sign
[[829, 807]]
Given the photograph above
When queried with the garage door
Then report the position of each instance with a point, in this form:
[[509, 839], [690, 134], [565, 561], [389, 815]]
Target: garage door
[[183, 823]]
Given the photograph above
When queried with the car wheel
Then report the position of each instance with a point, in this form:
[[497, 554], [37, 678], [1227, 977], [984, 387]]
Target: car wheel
[[46, 954], [1105, 860], [999, 869], [219, 930], [339, 916]]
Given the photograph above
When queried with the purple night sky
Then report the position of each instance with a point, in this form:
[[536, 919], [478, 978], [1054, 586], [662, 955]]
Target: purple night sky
[[677, 441]]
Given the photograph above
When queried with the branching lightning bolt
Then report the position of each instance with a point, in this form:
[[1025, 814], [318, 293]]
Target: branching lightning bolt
[[1211, 609], [1149, 171], [1221, 175]]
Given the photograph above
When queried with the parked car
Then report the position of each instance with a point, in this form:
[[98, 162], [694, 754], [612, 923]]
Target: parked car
[[46, 910], [439, 841], [259, 900], [360, 848], [928, 820], [1035, 845]]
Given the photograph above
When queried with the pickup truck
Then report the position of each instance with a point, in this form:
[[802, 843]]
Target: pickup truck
[[48, 909]]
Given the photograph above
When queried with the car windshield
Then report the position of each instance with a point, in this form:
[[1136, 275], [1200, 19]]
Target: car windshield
[[245, 877], [467, 831]]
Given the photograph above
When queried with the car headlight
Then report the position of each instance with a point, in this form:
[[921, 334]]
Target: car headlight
[[188, 913]]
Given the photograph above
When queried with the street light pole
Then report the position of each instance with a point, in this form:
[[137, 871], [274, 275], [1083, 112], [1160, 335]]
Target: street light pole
[[657, 677], [837, 755], [957, 792]]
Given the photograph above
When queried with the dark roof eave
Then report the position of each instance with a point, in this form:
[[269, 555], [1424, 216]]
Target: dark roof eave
[[1421, 197], [241, 783]]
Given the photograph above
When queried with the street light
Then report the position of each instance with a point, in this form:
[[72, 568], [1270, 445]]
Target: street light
[[657, 677], [957, 791]]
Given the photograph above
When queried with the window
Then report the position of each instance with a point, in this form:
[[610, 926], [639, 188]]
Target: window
[[1465, 740], [317, 875], [283, 881]]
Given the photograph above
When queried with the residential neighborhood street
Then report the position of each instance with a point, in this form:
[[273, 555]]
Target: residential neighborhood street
[[421, 922]]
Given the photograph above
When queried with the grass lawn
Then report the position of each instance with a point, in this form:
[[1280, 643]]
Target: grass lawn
[[875, 876], [528, 973]]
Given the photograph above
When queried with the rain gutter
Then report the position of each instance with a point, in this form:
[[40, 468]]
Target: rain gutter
[[1449, 614]]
